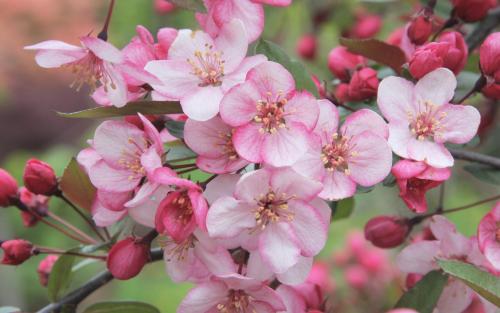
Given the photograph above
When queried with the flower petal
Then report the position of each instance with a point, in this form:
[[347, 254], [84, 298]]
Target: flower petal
[[286, 146], [239, 105], [419, 257], [203, 298], [248, 142], [438, 87], [286, 180], [233, 41], [202, 103], [278, 247], [364, 120], [336, 186], [102, 49], [395, 98], [459, 124], [309, 228], [432, 153], [227, 217], [176, 78], [271, 77]]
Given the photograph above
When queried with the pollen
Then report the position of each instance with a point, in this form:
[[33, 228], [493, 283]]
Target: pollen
[[336, 154], [428, 123], [208, 65], [271, 113], [272, 208], [90, 70]]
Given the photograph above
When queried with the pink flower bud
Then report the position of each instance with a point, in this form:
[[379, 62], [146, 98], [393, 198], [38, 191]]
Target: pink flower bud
[[45, 267], [492, 91], [472, 10], [420, 29], [428, 58], [40, 178], [341, 62], [163, 6], [16, 251], [386, 231], [342, 93], [363, 84], [36, 203], [8, 188], [489, 58], [127, 258], [456, 58], [367, 26], [306, 47], [356, 276]]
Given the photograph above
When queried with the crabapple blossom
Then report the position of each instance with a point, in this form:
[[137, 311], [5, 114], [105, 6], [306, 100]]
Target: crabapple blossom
[[95, 62], [8, 188], [272, 121], [357, 153], [363, 84], [488, 235], [200, 70], [421, 119], [341, 62], [277, 210], [489, 53], [415, 179], [231, 293], [212, 141], [307, 46]]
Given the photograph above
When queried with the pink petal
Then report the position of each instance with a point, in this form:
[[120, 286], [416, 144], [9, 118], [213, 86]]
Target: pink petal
[[432, 153], [406, 169], [278, 247], [152, 133], [104, 217], [180, 269], [200, 208], [251, 14], [372, 161], [252, 185], [294, 302], [438, 87], [267, 295], [222, 185], [285, 180], [145, 212], [114, 201], [87, 158], [55, 58], [336, 186], [271, 77], [278, 3], [456, 297], [492, 254], [239, 105], [303, 108], [203, 103], [309, 228], [249, 142], [102, 49], [256, 268], [177, 80], [218, 262], [207, 138], [187, 43], [54, 45], [441, 227], [220, 165], [116, 88], [310, 165], [328, 120], [459, 124], [203, 298], [169, 177], [419, 257], [395, 98], [400, 138], [110, 179], [150, 160], [228, 217], [364, 120], [233, 40], [298, 273], [286, 146], [239, 74], [486, 231]]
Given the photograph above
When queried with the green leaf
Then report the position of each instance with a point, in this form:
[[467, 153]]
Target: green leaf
[[465, 83], [484, 283], [193, 5], [377, 51], [175, 128], [342, 209], [484, 173], [76, 185], [131, 108], [60, 277], [177, 150], [424, 296], [303, 80], [121, 307], [9, 309]]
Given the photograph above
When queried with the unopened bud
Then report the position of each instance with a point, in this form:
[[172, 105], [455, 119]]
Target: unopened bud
[[16, 251], [472, 10], [386, 231], [40, 178], [45, 267], [306, 47], [127, 258], [8, 188], [420, 29]]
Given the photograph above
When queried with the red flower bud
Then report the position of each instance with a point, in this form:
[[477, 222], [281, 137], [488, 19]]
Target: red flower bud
[[341, 62], [37, 204], [456, 58], [386, 231], [8, 188], [366, 26], [16, 251], [363, 84], [45, 267], [472, 10], [306, 47], [420, 29], [342, 93], [492, 91], [39, 178], [489, 58], [163, 6], [428, 58], [127, 258]]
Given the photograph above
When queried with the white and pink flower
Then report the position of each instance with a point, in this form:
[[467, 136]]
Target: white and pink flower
[[421, 119], [355, 154], [488, 235], [272, 121], [200, 70], [278, 213]]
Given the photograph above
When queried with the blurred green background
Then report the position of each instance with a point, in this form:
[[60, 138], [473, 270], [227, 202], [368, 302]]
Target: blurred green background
[[29, 127]]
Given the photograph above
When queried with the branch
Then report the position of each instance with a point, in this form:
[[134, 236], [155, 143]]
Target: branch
[[75, 297], [476, 157], [483, 29]]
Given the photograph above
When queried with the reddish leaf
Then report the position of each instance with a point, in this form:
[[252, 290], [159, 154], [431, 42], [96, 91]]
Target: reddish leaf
[[76, 185]]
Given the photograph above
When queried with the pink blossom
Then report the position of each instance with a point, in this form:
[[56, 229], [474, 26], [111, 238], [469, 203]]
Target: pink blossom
[[306, 297], [489, 54], [212, 141], [95, 62], [363, 85], [307, 46], [231, 293], [38, 204], [163, 6], [272, 121], [415, 179], [420, 28], [8, 188], [421, 119], [341, 62], [278, 211], [357, 153], [386, 231], [45, 267], [200, 70], [488, 235]]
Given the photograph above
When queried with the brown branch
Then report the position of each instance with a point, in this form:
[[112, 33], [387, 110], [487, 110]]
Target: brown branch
[[476, 157], [483, 29]]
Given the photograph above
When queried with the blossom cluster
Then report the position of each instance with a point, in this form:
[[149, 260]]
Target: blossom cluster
[[278, 156]]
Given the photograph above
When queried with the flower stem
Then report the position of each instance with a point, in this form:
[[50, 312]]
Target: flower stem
[[104, 32], [478, 86], [47, 250], [71, 227]]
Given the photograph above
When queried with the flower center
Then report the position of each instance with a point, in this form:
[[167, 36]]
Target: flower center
[[131, 159], [336, 154], [184, 208], [272, 208], [179, 251], [271, 113], [227, 145], [90, 70], [426, 124], [208, 66], [415, 184], [237, 302]]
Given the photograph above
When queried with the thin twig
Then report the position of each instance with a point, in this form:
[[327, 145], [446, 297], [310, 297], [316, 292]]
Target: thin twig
[[476, 157], [48, 250], [483, 29], [71, 227]]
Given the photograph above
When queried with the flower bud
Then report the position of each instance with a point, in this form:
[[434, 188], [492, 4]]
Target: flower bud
[[16, 251], [8, 188], [306, 47], [366, 26], [40, 178], [386, 231], [492, 91], [341, 62], [363, 84], [45, 267], [163, 6], [456, 58], [37, 204], [412, 279], [420, 29], [489, 55], [127, 258], [472, 10], [428, 58], [342, 93]]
